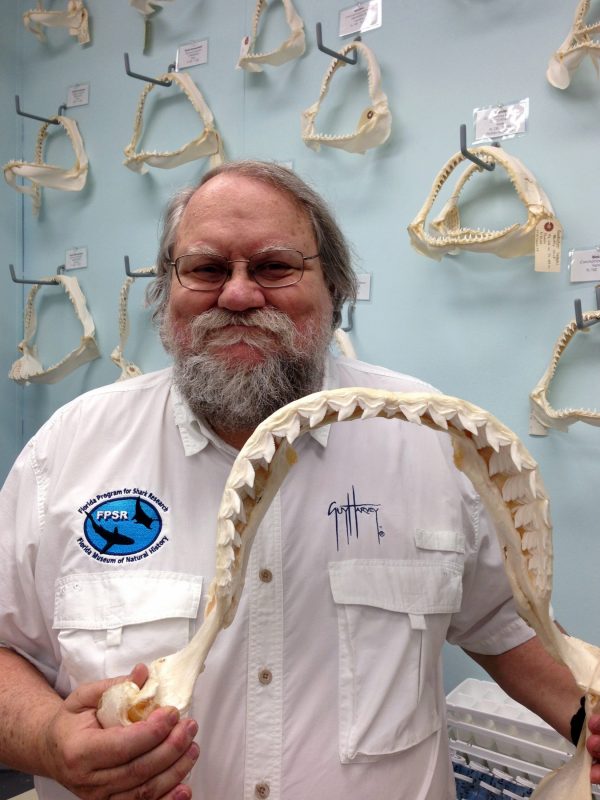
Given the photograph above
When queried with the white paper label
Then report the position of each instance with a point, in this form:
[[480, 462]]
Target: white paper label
[[360, 17], [501, 121], [78, 95], [244, 47], [584, 265], [191, 54], [364, 286], [76, 258], [548, 242]]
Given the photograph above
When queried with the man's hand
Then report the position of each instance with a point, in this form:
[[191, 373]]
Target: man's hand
[[593, 746], [147, 760]]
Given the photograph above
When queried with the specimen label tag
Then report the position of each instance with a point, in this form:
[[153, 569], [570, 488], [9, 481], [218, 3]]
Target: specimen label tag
[[76, 258], [501, 121], [191, 54], [244, 48], [364, 286], [548, 242], [360, 17], [584, 265], [78, 95]]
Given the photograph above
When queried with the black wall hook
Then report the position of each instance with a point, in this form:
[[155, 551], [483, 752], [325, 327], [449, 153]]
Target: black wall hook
[[348, 59], [136, 274], [21, 113], [471, 156], [347, 328], [581, 323], [146, 77], [41, 282]]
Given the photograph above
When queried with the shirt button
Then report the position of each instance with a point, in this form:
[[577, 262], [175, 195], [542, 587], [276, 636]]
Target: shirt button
[[262, 790], [265, 676], [265, 575]]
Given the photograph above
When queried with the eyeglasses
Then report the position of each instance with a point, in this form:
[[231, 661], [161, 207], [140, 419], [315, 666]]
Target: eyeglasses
[[271, 269]]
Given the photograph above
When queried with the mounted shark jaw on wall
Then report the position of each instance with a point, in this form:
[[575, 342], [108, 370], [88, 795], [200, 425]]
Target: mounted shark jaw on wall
[[147, 7], [578, 44], [128, 368], [28, 368], [49, 175], [208, 143], [543, 415], [74, 17], [448, 236], [375, 122], [293, 47], [491, 456]]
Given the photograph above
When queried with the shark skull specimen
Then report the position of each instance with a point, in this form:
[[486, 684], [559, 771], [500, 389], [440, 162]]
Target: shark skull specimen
[[491, 456]]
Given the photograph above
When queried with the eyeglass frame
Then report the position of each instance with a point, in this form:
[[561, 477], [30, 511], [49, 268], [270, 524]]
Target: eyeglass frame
[[229, 272]]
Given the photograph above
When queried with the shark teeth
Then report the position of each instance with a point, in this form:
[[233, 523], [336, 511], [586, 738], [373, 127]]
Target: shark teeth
[[447, 235], [542, 411], [484, 449]]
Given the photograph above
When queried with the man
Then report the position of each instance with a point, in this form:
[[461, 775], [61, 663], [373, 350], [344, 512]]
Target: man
[[322, 688]]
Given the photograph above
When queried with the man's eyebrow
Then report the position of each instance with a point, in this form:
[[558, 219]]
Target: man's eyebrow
[[277, 246], [202, 250]]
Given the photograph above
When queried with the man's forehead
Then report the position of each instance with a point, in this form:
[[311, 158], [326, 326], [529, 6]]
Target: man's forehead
[[232, 195]]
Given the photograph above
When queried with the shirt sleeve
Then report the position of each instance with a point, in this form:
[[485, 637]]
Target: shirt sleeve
[[23, 625], [488, 621]]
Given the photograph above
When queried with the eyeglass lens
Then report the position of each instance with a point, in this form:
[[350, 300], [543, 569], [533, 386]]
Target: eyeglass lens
[[270, 269]]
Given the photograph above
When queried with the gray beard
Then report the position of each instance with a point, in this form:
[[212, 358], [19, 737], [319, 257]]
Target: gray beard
[[233, 398]]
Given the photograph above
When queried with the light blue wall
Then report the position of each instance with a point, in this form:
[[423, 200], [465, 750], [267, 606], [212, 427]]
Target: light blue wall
[[474, 325], [10, 239]]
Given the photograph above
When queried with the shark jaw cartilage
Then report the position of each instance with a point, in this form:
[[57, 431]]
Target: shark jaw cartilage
[[447, 235], [578, 43]]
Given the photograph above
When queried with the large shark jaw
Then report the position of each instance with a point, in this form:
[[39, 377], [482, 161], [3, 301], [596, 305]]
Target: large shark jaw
[[447, 234], [494, 459]]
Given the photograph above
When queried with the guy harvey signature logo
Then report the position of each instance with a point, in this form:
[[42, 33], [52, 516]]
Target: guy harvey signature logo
[[354, 518]]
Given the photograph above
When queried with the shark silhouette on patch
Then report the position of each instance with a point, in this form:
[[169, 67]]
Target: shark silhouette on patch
[[140, 515], [110, 538]]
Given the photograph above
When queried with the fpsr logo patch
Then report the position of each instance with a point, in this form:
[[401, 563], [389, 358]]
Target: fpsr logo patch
[[122, 526]]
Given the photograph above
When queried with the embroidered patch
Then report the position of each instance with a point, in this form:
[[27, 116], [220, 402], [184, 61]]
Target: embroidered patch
[[122, 525]]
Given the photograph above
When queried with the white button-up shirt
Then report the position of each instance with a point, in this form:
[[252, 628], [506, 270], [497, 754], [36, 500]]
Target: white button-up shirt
[[328, 683]]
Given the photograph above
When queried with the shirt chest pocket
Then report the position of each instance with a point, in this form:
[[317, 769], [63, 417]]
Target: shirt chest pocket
[[109, 621], [392, 620]]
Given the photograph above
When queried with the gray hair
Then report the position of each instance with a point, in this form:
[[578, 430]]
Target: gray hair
[[331, 245]]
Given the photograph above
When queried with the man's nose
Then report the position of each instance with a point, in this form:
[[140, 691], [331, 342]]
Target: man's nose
[[240, 292]]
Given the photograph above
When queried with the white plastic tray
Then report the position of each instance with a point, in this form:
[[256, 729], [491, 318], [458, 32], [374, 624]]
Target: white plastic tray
[[485, 705]]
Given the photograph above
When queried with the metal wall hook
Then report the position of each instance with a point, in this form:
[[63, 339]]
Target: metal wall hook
[[471, 156], [347, 328], [41, 282], [348, 59], [581, 323], [35, 116], [146, 77], [131, 274]]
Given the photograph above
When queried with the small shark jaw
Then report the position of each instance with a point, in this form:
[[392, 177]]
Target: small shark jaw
[[375, 122], [543, 415], [447, 234], [293, 47]]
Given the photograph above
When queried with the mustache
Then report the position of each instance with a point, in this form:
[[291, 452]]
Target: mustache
[[204, 328]]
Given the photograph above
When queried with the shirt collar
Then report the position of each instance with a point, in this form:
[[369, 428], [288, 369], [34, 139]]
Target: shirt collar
[[196, 434]]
